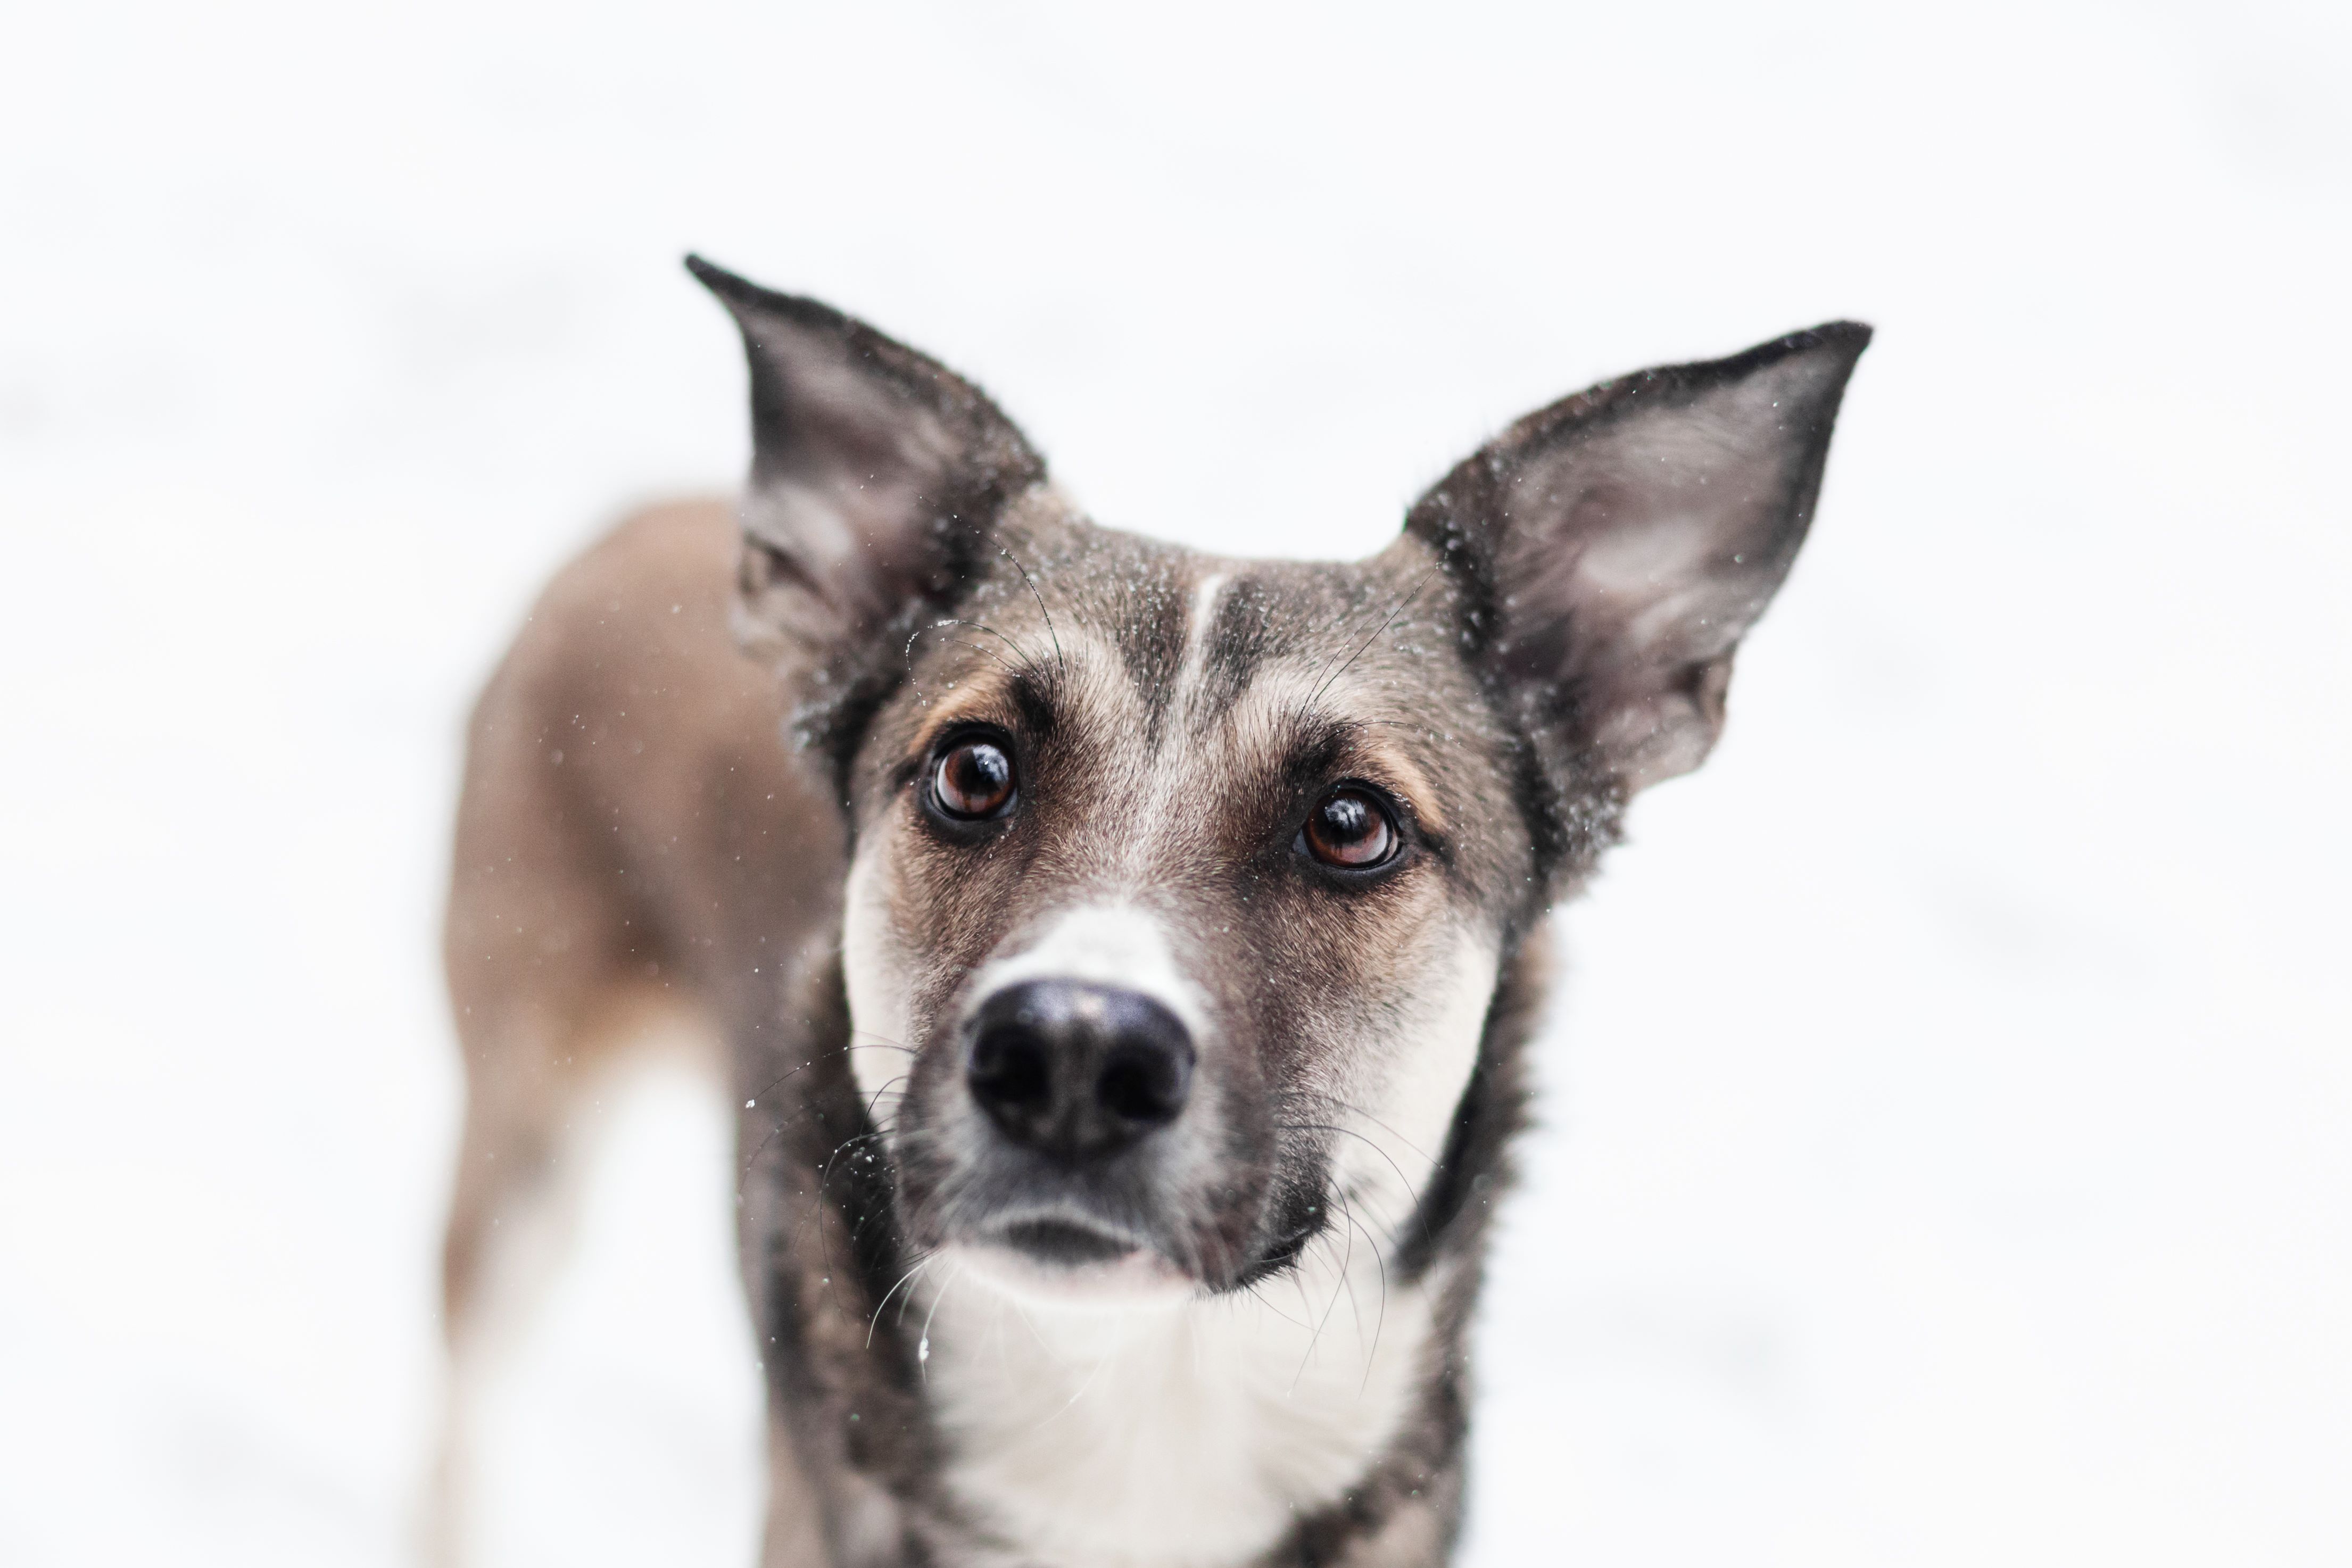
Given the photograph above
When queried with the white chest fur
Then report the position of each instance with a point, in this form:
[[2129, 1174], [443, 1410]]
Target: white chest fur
[[1188, 1435]]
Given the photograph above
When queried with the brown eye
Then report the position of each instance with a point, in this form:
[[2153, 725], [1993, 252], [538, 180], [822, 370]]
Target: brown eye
[[1351, 830], [973, 781]]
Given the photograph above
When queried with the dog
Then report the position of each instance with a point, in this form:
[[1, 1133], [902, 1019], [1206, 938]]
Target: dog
[[1123, 957]]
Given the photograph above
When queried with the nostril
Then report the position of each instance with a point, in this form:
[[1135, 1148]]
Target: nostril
[[1009, 1068], [1144, 1086]]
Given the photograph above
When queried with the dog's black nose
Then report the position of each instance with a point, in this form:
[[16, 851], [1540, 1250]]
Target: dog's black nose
[[1078, 1071]]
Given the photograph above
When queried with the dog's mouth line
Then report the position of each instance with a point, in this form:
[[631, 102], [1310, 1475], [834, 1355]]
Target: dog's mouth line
[[1081, 1243], [1056, 1238]]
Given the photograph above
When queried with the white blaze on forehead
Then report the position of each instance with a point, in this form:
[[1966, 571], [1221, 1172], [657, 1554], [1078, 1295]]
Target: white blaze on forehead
[[1202, 617], [1105, 945]]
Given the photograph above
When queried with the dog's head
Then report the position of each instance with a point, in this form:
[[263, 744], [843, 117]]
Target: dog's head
[[1181, 884]]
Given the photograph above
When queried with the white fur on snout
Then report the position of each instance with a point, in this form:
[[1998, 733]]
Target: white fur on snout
[[874, 973], [1105, 945], [1397, 1094]]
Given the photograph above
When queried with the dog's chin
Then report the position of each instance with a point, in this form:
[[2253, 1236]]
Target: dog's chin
[[1050, 1264]]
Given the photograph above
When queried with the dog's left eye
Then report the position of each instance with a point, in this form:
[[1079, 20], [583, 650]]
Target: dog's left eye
[[1350, 829], [973, 781]]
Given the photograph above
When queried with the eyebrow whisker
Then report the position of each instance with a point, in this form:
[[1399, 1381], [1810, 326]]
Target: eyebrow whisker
[[1060, 668], [1403, 604], [981, 626]]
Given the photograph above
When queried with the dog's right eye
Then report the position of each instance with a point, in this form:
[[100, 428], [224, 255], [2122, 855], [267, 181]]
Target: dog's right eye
[[973, 781], [1349, 830]]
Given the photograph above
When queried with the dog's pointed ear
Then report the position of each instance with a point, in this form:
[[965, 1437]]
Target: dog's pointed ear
[[876, 471], [1615, 547]]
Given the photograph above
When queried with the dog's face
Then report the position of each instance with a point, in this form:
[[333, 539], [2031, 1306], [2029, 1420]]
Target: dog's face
[[1181, 885], [1179, 880]]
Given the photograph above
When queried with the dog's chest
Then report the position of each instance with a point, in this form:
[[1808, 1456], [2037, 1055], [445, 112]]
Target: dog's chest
[[1187, 1437]]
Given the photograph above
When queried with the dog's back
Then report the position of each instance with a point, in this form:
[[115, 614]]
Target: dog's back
[[633, 840]]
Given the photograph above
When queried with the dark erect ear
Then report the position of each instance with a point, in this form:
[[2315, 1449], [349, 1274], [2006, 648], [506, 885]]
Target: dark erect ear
[[1616, 547], [875, 472]]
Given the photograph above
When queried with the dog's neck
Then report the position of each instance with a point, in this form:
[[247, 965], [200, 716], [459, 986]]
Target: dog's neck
[[1189, 1436]]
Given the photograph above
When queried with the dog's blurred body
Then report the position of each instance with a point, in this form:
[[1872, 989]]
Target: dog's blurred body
[[639, 858]]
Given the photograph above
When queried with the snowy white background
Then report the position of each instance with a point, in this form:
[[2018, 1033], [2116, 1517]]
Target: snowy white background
[[1948, 1146]]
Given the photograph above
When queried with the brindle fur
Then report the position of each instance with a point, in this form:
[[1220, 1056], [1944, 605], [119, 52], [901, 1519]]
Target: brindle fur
[[636, 822]]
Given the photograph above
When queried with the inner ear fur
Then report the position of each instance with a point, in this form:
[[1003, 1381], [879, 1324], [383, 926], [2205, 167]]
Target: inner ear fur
[[1612, 548], [877, 473]]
